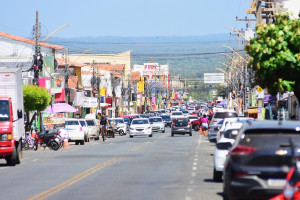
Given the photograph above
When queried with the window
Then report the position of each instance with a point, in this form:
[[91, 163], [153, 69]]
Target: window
[[82, 123], [90, 122], [141, 121], [177, 113], [73, 122], [158, 119], [4, 111], [166, 117], [119, 121], [231, 133], [223, 115]]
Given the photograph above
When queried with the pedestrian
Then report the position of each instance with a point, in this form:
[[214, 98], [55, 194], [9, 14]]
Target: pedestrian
[[204, 125]]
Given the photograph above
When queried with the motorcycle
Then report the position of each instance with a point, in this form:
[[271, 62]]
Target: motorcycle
[[48, 138], [291, 190]]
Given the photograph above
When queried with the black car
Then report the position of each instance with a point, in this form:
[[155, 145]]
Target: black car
[[181, 125], [259, 160], [167, 120]]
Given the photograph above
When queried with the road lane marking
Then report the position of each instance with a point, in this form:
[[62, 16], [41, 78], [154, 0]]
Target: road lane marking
[[35, 160], [146, 143], [51, 191], [194, 168], [195, 159], [194, 174], [188, 198]]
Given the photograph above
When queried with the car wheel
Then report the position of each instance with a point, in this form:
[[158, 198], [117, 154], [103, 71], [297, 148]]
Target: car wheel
[[82, 142], [172, 134], [217, 176], [164, 131], [191, 134], [196, 127], [150, 135], [97, 137], [121, 132], [131, 136], [76, 142]]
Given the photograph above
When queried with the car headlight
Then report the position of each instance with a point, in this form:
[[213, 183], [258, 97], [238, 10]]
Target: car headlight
[[131, 128], [6, 136], [149, 127]]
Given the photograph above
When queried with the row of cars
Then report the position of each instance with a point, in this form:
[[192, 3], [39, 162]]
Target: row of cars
[[253, 157]]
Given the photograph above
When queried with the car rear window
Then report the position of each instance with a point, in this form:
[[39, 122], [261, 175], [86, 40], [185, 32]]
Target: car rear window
[[231, 134], [223, 115], [82, 123], [177, 113], [141, 121], [270, 138], [126, 120], [166, 117], [181, 121], [193, 117], [73, 122], [158, 119], [90, 122]]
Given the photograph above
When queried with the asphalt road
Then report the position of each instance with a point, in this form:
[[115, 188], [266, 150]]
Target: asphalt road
[[161, 167]]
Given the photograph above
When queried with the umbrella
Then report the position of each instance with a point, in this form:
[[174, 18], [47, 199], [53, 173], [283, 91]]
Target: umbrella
[[60, 107]]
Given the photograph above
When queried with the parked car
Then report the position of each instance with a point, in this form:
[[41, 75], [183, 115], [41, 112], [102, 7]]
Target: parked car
[[157, 124], [85, 129], [167, 120], [222, 149], [176, 114], [74, 131], [213, 131], [93, 127], [181, 125], [191, 109], [258, 162], [219, 115], [140, 127], [226, 121], [120, 126]]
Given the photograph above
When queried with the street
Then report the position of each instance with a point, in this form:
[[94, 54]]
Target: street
[[162, 167]]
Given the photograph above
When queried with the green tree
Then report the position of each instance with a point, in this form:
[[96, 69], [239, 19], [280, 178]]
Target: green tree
[[35, 99], [275, 55]]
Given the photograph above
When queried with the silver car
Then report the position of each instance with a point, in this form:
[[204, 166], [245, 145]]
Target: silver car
[[157, 124]]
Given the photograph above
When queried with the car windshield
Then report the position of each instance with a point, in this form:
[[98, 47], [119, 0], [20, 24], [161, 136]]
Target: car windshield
[[90, 122], [72, 122], [140, 121], [157, 119], [119, 120], [193, 117], [166, 117], [231, 133], [4, 111], [185, 111], [82, 123], [181, 121], [223, 115], [177, 113], [126, 120]]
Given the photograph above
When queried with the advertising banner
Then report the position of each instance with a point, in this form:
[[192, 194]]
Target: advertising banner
[[214, 78]]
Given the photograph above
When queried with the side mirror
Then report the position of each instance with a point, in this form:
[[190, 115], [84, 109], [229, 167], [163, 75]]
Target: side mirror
[[20, 114], [224, 145]]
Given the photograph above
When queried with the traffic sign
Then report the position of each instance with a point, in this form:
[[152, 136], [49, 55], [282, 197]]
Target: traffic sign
[[259, 89]]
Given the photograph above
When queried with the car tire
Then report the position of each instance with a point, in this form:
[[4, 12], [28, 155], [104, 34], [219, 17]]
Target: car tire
[[150, 135], [196, 127], [82, 142], [191, 134], [217, 176], [121, 132], [172, 134], [164, 131], [97, 137], [76, 142], [14, 158], [131, 136]]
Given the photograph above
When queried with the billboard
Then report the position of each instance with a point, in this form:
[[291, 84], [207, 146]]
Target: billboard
[[214, 77]]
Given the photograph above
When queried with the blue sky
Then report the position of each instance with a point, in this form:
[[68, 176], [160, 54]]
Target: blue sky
[[123, 17]]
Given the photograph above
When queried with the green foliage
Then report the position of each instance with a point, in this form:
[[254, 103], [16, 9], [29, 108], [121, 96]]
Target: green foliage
[[35, 98], [275, 54]]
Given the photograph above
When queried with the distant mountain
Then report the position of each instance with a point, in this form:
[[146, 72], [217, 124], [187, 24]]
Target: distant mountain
[[189, 56]]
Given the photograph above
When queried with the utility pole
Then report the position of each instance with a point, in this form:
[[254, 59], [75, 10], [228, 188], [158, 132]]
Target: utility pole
[[67, 92], [37, 57], [129, 90]]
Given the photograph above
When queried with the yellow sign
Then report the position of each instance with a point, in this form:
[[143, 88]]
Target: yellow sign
[[141, 85], [259, 89], [102, 91]]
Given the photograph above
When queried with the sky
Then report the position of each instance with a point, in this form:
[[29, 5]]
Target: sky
[[123, 17]]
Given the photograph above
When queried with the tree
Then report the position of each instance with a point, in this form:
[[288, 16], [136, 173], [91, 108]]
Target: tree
[[35, 99], [275, 55]]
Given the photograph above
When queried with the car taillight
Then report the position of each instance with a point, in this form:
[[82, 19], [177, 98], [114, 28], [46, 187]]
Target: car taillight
[[173, 123], [242, 150], [215, 121], [80, 128], [240, 174], [189, 123]]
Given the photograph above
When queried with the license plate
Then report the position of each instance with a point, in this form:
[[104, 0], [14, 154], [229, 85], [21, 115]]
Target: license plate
[[276, 182], [181, 129], [140, 132]]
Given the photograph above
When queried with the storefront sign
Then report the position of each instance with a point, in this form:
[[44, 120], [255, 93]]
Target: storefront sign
[[53, 119], [90, 102]]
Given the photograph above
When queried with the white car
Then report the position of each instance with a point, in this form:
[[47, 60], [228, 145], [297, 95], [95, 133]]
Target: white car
[[120, 126], [176, 114], [157, 124], [228, 120], [222, 149], [140, 127], [94, 129], [85, 129], [191, 109], [73, 131]]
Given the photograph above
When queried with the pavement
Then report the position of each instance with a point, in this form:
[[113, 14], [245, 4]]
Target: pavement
[[161, 167]]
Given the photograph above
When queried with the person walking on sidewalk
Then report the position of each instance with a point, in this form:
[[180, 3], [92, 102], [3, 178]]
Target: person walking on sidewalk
[[204, 125]]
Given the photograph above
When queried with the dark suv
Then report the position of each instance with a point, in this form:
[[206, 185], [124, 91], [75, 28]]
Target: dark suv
[[181, 125], [259, 160]]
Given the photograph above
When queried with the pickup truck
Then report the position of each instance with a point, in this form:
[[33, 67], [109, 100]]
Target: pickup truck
[[11, 115]]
